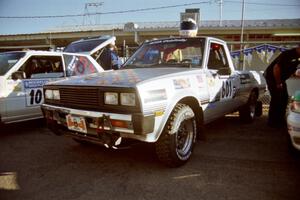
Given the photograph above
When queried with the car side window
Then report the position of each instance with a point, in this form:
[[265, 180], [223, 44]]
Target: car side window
[[78, 65], [43, 67], [217, 59]]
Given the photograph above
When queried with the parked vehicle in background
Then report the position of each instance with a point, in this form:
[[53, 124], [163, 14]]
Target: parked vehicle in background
[[23, 74], [293, 121], [164, 94], [95, 47]]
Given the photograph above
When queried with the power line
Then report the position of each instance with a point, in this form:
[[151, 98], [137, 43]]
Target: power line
[[105, 13], [143, 9], [264, 4]]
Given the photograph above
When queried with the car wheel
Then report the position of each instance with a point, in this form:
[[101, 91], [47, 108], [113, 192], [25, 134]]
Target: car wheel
[[175, 145], [248, 112]]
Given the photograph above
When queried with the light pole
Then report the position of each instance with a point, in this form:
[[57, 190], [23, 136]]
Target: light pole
[[87, 14], [242, 35], [221, 13]]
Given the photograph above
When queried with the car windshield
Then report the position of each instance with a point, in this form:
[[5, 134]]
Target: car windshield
[[172, 52], [8, 60], [83, 46]]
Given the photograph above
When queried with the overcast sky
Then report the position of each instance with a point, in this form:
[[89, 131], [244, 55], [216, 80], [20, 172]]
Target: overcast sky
[[122, 11]]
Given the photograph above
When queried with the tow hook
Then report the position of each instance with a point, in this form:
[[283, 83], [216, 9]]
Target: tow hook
[[109, 138]]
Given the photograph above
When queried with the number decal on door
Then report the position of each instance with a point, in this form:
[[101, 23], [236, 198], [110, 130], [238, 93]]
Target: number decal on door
[[35, 97], [227, 89]]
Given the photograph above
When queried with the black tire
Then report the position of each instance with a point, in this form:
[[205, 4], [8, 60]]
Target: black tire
[[248, 112], [175, 146]]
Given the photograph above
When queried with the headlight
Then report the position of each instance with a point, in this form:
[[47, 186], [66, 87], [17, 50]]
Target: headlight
[[56, 94], [111, 98], [49, 94], [128, 99], [52, 94]]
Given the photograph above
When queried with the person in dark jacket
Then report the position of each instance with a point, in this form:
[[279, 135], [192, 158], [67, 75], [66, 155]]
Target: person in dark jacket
[[284, 66], [109, 58]]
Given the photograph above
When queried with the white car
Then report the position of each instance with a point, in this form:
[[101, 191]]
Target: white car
[[293, 120], [23, 74]]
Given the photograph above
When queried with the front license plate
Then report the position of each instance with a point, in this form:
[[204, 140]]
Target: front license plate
[[76, 123]]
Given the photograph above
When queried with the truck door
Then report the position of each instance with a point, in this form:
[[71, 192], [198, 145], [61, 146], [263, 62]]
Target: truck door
[[221, 82], [24, 102]]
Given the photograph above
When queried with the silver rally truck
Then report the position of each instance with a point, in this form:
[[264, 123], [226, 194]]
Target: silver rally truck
[[164, 94]]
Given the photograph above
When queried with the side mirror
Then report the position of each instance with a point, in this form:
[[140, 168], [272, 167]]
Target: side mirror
[[18, 75]]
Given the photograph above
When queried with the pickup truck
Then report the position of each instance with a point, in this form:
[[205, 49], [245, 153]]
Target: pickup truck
[[164, 94]]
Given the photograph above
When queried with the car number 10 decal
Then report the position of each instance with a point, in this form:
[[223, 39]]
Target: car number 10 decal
[[34, 91], [34, 97]]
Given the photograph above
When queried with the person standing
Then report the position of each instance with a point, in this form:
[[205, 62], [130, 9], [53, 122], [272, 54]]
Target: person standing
[[109, 58], [284, 66]]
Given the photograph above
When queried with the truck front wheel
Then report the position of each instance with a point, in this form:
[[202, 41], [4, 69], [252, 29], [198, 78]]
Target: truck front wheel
[[175, 145]]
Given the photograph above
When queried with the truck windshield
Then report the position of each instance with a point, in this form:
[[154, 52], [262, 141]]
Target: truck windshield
[[171, 52], [8, 60]]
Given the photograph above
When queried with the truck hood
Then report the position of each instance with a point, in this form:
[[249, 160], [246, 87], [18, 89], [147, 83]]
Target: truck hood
[[120, 78]]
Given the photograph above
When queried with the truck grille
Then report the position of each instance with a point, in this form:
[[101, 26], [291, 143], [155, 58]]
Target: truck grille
[[91, 98], [88, 97]]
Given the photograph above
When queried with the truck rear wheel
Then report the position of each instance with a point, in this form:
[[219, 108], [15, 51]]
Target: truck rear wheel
[[175, 145], [248, 112]]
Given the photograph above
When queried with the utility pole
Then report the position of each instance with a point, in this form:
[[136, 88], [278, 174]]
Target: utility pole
[[242, 35], [221, 13], [87, 13]]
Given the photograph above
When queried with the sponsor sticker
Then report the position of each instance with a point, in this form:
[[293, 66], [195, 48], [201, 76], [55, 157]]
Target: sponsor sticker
[[200, 81], [181, 83], [34, 83], [155, 95]]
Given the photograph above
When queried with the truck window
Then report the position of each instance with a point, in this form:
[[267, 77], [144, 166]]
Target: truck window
[[217, 59], [43, 67]]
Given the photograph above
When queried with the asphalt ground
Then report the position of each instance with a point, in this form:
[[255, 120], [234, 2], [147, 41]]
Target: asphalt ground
[[236, 161]]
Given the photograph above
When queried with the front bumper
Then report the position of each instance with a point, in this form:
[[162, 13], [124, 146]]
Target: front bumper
[[293, 121], [135, 126]]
